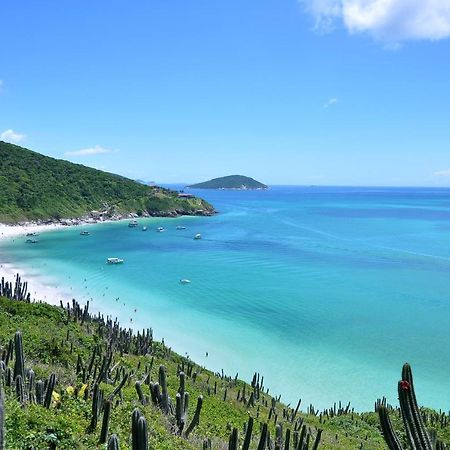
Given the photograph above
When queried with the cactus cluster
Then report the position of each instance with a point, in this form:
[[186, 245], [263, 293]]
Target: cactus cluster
[[417, 434]]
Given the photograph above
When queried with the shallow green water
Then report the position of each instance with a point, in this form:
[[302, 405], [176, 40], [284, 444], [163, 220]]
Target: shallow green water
[[325, 291]]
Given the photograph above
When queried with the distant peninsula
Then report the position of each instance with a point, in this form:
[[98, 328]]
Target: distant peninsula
[[37, 188], [236, 182]]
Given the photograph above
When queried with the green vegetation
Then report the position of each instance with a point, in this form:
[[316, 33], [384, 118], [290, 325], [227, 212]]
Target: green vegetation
[[34, 186], [230, 182], [71, 380]]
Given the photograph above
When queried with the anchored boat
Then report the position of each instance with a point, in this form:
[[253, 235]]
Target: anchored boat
[[114, 261]]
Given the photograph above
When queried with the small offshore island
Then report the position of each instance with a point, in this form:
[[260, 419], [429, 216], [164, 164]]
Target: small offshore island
[[232, 182]]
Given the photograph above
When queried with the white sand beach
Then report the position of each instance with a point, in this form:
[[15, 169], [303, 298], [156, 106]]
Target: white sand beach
[[11, 231]]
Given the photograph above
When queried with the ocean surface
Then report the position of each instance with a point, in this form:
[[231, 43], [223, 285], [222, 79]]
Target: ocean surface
[[324, 291]]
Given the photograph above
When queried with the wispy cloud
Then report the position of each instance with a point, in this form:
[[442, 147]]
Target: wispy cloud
[[389, 21], [96, 150], [330, 102], [12, 136], [442, 173]]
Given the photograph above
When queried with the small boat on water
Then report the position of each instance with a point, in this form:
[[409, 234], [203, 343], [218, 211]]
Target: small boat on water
[[185, 281], [197, 237], [114, 261], [31, 241], [180, 227], [160, 229], [144, 228], [133, 224], [84, 233], [32, 234]]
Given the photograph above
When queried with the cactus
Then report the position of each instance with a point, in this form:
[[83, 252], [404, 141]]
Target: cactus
[[248, 434], [139, 436], [140, 393], [164, 393], [2, 417], [113, 443], [263, 438], [19, 362], [233, 441], [105, 422], [416, 432], [95, 407], [50, 387], [19, 389], [40, 392], [196, 419]]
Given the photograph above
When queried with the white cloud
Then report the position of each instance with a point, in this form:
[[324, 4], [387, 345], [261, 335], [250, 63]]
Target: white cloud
[[442, 173], [96, 150], [330, 102], [11, 136], [390, 21]]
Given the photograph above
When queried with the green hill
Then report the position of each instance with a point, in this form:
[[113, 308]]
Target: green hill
[[239, 182], [34, 186]]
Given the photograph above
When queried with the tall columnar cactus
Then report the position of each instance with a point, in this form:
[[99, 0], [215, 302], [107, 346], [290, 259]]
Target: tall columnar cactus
[[19, 390], [19, 362], [196, 419], [50, 387], [40, 392], [113, 443], [139, 436], [263, 438], [233, 442], [248, 434], [105, 422], [96, 404], [416, 433], [31, 386], [2, 416], [165, 405]]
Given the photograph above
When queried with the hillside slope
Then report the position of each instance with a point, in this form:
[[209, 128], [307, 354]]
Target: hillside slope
[[240, 182], [34, 186]]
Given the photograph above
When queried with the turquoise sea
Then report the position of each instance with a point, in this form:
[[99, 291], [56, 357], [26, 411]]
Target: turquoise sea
[[324, 291]]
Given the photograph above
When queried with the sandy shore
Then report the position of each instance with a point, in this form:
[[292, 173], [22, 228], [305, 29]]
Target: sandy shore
[[11, 231], [40, 288]]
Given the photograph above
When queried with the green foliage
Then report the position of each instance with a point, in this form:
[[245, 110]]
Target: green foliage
[[53, 343], [230, 182], [34, 186]]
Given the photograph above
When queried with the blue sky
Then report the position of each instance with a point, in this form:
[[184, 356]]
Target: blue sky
[[351, 92]]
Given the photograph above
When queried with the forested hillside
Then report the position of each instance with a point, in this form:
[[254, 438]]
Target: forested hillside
[[34, 186]]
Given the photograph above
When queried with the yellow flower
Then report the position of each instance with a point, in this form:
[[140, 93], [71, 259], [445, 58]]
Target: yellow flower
[[70, 390], [55, 396], [81, 391]]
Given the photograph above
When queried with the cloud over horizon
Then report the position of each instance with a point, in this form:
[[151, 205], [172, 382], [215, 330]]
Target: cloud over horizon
[[12, 136], [442, 173], [96, 150], [389, 21]]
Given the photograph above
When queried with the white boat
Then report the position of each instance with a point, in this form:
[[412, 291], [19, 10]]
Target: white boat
[[180, 227], [114, 261], [197, 236], [31, 241], [133, 224], [160, 229], [84, 233], [144, 228], [185, 281]]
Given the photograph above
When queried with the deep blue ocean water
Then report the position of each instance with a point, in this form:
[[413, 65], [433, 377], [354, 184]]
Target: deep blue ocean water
[[324, 291]]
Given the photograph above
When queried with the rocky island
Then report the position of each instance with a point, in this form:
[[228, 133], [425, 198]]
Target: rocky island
[[236, 182]]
